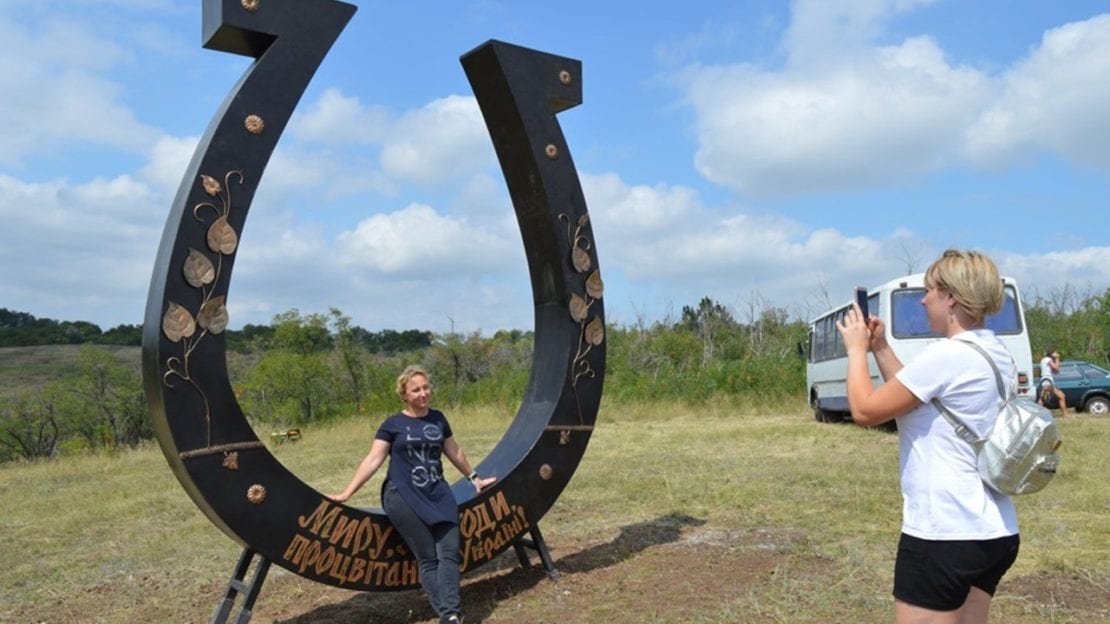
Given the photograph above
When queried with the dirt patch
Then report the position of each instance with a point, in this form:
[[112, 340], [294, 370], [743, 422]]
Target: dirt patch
[[1054, 591], [663, 570]]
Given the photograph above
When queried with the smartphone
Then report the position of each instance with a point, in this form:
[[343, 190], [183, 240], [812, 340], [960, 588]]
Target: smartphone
[[861, 301]]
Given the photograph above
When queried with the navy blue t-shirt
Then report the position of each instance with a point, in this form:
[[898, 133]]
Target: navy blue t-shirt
[[415, 466]]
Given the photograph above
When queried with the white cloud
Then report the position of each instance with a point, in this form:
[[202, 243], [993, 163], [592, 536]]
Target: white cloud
[[342, 147], [54, 93], [821, 31], [167, 160], [1055, 100], [443, 141], [413, 268], [1086, 268], [336, 118], [662, 237], [845, 113], [889, 115], [83, 246], [628, 210], [417, 241]]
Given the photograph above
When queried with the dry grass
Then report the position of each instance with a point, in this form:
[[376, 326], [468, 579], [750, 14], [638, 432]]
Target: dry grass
[[705, 515]]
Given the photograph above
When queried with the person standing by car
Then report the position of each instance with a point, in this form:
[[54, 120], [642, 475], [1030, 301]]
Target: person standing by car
[[415, 496], [1050, 365], [959, 536]]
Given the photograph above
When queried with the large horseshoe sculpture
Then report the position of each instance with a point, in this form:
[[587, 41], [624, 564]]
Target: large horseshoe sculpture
[[230, 475]]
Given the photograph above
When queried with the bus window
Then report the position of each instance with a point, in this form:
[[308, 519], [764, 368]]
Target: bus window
[[827, 344], [841, 350], [1007, 320], [819, 352], [908, 318], [907, 315]]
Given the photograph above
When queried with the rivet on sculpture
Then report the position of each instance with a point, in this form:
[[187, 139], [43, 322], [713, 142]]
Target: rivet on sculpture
[[219, 460]]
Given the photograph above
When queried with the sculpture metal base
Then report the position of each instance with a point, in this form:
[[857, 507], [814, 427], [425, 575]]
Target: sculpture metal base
[[537, 544], [237, 586]]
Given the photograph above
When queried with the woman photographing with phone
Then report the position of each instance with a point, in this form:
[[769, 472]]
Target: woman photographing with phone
[[959, 536]]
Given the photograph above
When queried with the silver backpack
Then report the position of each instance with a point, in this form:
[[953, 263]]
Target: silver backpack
[[1018, 456]]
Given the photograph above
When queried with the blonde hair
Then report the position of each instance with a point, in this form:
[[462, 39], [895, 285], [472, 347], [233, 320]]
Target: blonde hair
[[972, 279], [406, 376]]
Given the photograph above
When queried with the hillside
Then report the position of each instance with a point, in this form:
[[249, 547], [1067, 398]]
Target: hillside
[[23, 369]]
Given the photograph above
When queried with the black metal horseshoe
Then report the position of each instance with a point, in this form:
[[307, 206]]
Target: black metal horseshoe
[[219, 460]]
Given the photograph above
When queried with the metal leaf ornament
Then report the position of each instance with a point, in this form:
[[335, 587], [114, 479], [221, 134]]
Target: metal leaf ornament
[[595, 332], [578, 308], [213, 315], [222, 237], [198, 269], [177, 323], [211, 185], [594, 286], [581, 260]]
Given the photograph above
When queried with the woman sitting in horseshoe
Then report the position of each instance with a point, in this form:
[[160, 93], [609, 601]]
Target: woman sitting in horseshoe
[[415, 496]]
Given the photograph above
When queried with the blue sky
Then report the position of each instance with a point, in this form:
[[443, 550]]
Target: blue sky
[[761, 153]]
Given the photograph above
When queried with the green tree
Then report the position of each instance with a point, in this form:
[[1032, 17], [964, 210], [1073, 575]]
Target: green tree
[[389, 341], [350, 357], [122, 335], [80, 332], [448, 359], [479, 369], [251, 339], [112, 394], [301, 334], [708, 321], [29, 427], [292, 380], [1078, 327], [19, 329]]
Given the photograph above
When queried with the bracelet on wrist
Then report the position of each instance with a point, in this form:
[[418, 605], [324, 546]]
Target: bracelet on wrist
[[473, 476]]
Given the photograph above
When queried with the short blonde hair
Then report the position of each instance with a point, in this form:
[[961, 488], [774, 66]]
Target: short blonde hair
[[973, 280], [406, 376]]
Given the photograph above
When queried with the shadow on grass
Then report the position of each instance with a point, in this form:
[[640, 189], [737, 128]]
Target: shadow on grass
[[481, 597]]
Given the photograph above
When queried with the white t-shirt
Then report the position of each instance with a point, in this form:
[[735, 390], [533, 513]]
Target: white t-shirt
[[943, 497], [1046, 368]]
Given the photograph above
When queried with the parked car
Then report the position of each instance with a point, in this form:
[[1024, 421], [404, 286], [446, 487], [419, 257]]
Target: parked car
[[1086, 387]]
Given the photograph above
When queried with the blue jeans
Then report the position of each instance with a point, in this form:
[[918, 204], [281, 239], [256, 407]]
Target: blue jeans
[[436, 549]]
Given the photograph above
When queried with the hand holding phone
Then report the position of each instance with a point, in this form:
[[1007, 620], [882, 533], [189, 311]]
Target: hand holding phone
[[861, 301]]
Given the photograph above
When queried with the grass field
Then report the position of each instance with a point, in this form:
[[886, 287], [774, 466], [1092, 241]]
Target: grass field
[[679, 515]]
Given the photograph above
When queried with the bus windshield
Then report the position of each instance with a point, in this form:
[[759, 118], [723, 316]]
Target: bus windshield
[[908, 320]]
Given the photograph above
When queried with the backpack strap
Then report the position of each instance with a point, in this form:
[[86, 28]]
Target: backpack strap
[[962, 430], [994, 367]]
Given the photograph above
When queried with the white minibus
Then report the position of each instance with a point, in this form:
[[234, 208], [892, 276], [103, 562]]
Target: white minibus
[[898, 304]]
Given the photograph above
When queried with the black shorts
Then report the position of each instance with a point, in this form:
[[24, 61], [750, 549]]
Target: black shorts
[[939, 574]]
